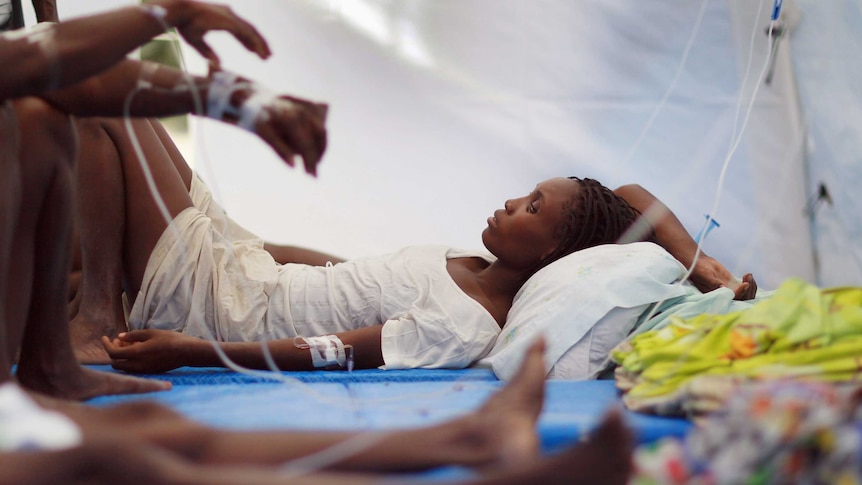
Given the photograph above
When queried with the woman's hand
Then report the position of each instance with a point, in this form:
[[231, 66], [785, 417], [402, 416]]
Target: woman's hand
[[746, 290], [151, 351], [708, 274]]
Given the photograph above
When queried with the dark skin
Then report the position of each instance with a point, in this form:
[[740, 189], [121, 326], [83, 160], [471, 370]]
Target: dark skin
[[91, 311], [493, 285], [498, 438], [520, 235], [96, 309], [34, 209], [708, 274]]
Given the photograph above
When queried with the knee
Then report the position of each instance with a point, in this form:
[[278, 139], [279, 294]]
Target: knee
[[46, 135]]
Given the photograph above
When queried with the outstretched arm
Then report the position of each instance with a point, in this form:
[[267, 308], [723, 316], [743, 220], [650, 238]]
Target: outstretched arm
[[155, 351], [708, 274], [64, 54], [291, 126]]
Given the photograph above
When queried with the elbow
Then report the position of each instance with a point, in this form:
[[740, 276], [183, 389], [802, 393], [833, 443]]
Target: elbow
[[627, 189]]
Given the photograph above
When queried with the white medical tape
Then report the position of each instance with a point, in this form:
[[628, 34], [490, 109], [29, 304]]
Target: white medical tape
[[253, 109], [219, 93], [157, 12], [28, 427], [326, 350]]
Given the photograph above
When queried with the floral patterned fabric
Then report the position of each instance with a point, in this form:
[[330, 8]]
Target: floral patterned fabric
[[800, 332], [768, 433]]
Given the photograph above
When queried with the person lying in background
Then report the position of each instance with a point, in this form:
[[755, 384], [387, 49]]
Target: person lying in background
[[61, 442], [202, 276]]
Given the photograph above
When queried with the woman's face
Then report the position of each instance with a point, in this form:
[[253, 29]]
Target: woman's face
[[522, 233]]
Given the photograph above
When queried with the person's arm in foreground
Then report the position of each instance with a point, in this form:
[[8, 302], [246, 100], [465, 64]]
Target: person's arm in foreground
[[75, 50], [154, 351], [708, 274], [46, 10], [84, 50]]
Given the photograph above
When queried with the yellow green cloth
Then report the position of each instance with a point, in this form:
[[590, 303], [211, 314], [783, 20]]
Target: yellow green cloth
[[800, 331]]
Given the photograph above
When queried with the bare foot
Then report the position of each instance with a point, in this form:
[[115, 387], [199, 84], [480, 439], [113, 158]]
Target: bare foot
[[507, 420], [80, 383], [603, 459], [87, 329], [90, 352]]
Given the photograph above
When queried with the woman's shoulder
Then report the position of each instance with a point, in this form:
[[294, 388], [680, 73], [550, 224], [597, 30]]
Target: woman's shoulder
[[449, 252], [453, 253]]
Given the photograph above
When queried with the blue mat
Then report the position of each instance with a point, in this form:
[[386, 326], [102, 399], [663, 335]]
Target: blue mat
[[219, 375], [377, 400]]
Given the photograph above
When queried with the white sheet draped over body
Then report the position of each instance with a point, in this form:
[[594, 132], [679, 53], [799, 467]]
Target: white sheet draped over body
[[209, 276]]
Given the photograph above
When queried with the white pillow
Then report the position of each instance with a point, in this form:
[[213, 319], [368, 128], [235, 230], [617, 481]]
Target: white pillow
[[575, 297]]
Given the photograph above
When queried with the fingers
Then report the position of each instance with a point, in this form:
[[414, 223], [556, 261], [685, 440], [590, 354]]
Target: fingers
[[747, 290], [250, 38], [130, 357], [206, 51], [132, 366], [268, 133], [296, 126], [117, 350], [136, 335], [304, 131], [208, 17]]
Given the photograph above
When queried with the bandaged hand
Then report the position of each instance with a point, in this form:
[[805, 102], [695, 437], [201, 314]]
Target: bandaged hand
[[194, 19], [709, 274], [290, 125], [151, 351]]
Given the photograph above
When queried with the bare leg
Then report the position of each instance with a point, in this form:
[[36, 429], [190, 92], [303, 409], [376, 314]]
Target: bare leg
[[145, 222], [499, 437], [36, 312], [604, 459], [119, 461], [173, 152], [10, 204], [100, 190], [499, 433], [109, 164]]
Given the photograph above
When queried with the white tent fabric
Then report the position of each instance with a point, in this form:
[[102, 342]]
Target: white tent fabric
[[828, 69], [441, 110]]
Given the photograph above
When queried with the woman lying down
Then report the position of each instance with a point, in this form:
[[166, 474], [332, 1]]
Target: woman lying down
[[205, 277]]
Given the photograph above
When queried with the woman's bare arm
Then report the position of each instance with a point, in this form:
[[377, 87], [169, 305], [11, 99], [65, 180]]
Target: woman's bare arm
[[155, 351], [708, 274]]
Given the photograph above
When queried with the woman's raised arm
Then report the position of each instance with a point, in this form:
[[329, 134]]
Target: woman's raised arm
[[708, 273]]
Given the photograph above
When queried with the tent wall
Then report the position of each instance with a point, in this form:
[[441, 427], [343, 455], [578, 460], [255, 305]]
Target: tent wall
[[441, 110], [825, 47]]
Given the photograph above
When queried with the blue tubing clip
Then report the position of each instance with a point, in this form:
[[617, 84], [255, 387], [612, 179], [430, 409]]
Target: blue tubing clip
[[705, 230], [776, 9]]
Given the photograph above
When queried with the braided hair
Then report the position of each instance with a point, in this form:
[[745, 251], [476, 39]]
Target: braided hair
[[593, 216]]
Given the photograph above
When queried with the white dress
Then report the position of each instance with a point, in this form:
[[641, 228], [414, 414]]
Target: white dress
[[209, 276]]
